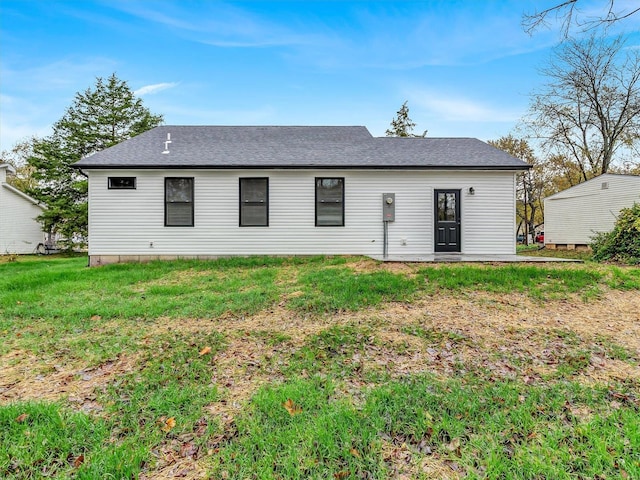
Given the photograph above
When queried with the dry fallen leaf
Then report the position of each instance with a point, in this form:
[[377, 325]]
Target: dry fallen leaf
[[205, 350], [454, 446], [341, 475], [188, 450], [78, 461], [95, 318], [291, 407], [169, 423], [22, 418], [355, 453]]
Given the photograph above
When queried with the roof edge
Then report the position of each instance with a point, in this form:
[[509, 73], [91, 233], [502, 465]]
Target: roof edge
[[300, 167], [606, 175], [23, 195]]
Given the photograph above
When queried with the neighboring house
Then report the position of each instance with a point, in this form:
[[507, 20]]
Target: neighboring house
[[575, 215], [207, 191], [20, 232]]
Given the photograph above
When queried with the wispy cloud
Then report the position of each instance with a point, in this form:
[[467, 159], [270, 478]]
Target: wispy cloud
[[220, 24], [33, 98], [20, 120], [155, 88], [65, 73], [397, 35], [458, 108]]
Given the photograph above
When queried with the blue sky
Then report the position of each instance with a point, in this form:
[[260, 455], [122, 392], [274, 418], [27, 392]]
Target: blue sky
[[465, 66]]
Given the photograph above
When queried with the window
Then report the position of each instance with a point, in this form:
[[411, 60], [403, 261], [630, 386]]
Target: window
[[254, 202], [125, 183], [178, 202], [329, 202]]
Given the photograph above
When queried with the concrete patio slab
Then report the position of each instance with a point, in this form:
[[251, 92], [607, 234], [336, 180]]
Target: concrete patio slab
[[461, 257]]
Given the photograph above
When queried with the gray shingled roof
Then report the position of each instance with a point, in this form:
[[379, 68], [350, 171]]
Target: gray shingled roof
[[295, 147]]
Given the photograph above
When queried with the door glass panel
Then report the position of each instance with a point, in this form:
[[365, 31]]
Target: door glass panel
[[446, 207]]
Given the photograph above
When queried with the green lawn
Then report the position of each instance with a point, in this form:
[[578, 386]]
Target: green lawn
[[317, 367]]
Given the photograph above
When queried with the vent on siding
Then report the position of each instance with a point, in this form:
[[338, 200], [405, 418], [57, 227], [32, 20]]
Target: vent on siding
[[605, 185]]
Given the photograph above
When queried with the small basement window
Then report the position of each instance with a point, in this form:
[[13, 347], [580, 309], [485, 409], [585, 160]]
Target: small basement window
[[122, 183]]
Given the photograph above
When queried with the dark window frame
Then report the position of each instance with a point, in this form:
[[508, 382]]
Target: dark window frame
[[315, 185], [241, 203], [110, 185], [192, 202]]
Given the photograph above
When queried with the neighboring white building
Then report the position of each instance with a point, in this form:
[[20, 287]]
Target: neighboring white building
[[20, 232], [573, 216], [185, 192]]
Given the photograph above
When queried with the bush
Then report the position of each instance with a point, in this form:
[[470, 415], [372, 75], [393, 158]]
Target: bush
[[622, 244]]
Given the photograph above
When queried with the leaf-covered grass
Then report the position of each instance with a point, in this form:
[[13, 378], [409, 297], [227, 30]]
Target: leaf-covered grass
[[48, 440], [325, 438], [502, 430], [333, 404], [331, 350], [161, 401]]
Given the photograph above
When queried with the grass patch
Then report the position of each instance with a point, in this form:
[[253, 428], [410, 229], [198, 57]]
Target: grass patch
[[539, 282], [540, 251], [47, 440], [331, 351], [334, 289], [68, 292], [321, 438], [331, 404], [624, 279], [502, 430], [434, 336], [175, 382]]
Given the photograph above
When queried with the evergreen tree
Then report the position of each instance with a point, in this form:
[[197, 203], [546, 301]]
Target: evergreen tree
[[401, 125], [99, 117]]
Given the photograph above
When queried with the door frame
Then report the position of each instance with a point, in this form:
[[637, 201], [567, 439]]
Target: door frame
[[457, 248]]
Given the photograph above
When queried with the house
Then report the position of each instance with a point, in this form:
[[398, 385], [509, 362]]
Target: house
[[208, 191], [575, 215], [20, 232]]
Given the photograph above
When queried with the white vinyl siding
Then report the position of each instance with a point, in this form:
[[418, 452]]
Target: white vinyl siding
[[20, 232], [131, 222], [575, 215]]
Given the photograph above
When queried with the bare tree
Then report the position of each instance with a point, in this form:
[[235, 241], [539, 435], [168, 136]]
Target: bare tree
[[569, 15], [589, 111], [530, 185]]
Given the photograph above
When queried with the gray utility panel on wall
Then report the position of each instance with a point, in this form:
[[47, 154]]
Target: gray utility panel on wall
[[388, 207]]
